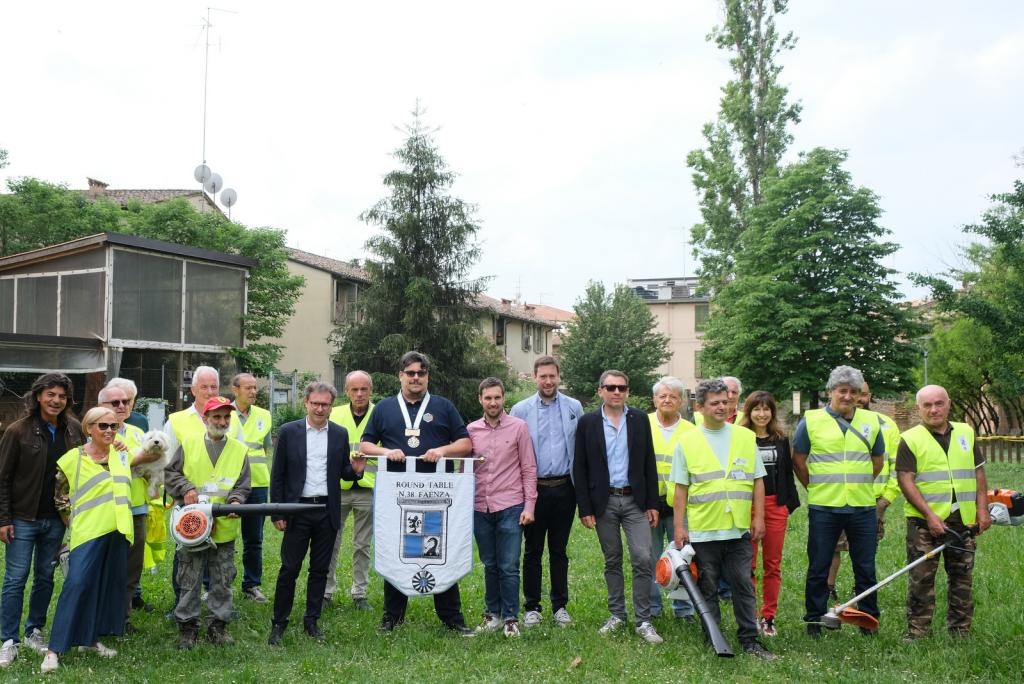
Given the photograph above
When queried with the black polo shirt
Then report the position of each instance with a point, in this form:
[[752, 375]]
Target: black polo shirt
[[441, 425]]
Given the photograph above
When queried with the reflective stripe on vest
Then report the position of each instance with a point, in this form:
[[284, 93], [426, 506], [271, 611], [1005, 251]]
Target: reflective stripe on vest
[[101, 501], [885, 482], [253, 434], [215, 481], [665, 450], [342, 415], [839, 466], [720, 498], [941, 474]]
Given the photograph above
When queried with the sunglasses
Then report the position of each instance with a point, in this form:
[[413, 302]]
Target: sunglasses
[[615, 388], [118, 402], [416, 374], [108, 426]]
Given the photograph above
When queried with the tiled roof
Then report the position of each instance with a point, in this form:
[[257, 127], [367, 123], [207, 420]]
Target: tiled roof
[[509, 309], [552, 313], [338, 268]]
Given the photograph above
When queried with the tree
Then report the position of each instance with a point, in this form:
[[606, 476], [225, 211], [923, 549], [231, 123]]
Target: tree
[[37, 214], [810, 291], [422, 297], [611, 330], [746, 143]]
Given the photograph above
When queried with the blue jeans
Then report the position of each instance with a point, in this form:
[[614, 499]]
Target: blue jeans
[[42, 537], [661, 536], [252, 541], [498, 539], [823, 528]]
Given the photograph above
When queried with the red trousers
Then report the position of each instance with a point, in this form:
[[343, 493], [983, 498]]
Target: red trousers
[[775, 520]]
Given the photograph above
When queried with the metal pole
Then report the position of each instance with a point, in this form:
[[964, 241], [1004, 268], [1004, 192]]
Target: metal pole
[[926, 366], [270, 391], [294, 389]]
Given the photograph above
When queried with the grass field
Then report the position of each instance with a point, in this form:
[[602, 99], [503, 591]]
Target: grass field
[[422, 651]]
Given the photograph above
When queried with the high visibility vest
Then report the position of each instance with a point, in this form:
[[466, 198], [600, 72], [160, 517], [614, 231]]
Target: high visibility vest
[[215, 482], [717, 498], [665, 450], [698, 418], [886, 485], [185, 424], [839, 465], [100, 498], [342, 415], [132, 439], [940, 474], [253, 434]]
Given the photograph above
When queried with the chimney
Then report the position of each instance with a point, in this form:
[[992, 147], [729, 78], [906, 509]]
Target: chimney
[[96, 188], [506, 304]]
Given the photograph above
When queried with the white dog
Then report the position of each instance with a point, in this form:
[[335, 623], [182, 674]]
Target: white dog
[[153, 472]]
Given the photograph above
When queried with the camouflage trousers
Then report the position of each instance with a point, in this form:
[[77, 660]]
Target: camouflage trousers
[[921, 587], [221, 563]]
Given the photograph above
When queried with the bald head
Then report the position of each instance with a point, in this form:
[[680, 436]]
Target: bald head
[[933, 407], [358, 388]]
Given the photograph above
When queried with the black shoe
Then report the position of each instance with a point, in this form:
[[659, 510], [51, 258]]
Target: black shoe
[[755, 649], [814, 631], [314, 631], [461, 629], [388, 624], [276, 632], [361, 604], [139, 604]]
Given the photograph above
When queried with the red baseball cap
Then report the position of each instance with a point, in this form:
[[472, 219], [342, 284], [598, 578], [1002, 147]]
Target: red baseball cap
[[216, 403]]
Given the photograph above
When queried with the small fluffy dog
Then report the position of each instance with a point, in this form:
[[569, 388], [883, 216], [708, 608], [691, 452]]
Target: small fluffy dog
[[153, 441]]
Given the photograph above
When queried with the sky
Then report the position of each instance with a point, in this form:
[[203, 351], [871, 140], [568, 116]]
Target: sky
[[568, 123]]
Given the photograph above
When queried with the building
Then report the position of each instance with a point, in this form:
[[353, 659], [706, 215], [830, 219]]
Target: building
[[196, 197], [681, 312], [110, 305], [518, 331], [561, 317]]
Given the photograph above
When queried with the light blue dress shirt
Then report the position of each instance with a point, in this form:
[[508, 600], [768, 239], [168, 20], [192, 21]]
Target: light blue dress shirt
[[616, 444], [552, 456]]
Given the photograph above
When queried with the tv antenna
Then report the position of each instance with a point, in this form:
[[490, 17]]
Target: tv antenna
[[212, 182]]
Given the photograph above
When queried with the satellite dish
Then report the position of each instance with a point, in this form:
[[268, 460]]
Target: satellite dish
[[202, 173], [228, 197], [213, 184]]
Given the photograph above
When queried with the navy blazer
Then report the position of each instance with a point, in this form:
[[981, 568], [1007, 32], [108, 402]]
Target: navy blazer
[[590, 467], [288, 474]]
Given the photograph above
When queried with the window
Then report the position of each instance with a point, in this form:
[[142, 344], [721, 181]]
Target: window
[[345, 296], [214, 305], [526, 336], [147, 297], [700, 317], [6, 305], [37, 306], [81, 305], [499, 331], [698, 368]]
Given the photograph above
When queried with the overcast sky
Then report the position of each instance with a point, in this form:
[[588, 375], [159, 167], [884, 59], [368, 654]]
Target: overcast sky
[[568, 122]]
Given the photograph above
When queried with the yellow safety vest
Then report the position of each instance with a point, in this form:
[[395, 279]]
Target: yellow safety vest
[[665, 450], [839, 465], [215, 482], [698, 418], [717, 498], [253, 434], [342, 415], [185, 424], [100, 498], [132, 438], [886, 486], [940, 474]]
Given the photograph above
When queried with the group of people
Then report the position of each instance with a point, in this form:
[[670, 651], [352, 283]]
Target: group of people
[[723, 483]]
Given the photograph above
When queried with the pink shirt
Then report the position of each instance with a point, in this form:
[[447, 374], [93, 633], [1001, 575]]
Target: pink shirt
[[508, 474]]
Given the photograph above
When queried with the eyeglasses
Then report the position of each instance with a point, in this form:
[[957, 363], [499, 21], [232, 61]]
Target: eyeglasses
[[108, 426], [320, 404], [416, 374], [118, 402], [615, 388]]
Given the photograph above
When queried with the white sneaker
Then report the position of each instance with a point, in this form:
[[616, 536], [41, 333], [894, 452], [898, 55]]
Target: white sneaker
[[491, 622], [649, 634], [8, 653], [611, 625], [35, 641], [511, 628], [99, 649], [532, 618], [562, 618], [50, 663]]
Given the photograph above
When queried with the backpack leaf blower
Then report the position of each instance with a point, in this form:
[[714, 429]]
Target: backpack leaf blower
[[672, 570], [192, 525]]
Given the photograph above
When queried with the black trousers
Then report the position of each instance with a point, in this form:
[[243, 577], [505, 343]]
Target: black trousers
[[447, 604], [305, 532], [553, 517]]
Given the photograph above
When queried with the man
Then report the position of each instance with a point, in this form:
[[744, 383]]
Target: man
[[941, 473], [886, 487], [251, 425], [551, 418], [719, 507], [29, 522], [114, 397], [617, 491], [506, 495], [837, 453], [212, 464], [134, 417], [667, 427], [402, 426], [356, 497], [312, 459], [735, 392]]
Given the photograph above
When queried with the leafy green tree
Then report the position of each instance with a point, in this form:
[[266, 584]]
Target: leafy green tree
[[37, 214], [744, 146], [422, 296], [810, 291], [612, 330]]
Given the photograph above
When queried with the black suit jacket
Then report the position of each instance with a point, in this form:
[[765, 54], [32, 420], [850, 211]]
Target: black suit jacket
[[288, 475], [590, 466]]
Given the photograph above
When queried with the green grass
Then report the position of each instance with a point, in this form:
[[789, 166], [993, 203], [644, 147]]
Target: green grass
[[422, 651]]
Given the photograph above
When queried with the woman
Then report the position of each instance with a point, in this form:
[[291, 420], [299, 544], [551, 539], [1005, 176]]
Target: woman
[[781, 498], [93, 492]]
